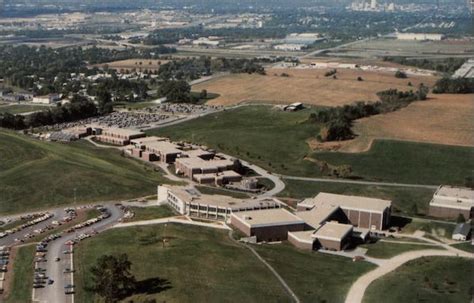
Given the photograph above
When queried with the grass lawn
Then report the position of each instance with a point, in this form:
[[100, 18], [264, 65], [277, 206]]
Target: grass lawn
[[387, 250], [197, 265], [22, 275], [314, 277], [466, 246], [19, 109], [151, 212], [437, 229], [13, 224], [408, 162], [272, 139], [404, 199], [221, 191], [36, 174], [434, 280]]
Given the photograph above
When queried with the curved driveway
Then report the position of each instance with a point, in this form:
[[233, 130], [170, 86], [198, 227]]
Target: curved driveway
[[357, 290]]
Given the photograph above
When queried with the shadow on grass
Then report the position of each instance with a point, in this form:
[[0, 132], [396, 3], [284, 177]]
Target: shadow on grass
[[151, 286]]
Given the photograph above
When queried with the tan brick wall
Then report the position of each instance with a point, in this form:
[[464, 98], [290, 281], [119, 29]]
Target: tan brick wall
[[449, 213]]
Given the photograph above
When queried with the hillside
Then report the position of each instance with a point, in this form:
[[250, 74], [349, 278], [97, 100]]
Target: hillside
[[35, 174]]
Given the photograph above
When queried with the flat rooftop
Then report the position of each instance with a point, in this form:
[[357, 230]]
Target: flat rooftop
[[224, 174], [199, 163], [347, 202], [191, 195], [198, 153], [317, 215], [267, 217], [453, 197], [147, 140], [303, 236], [333, 231], [123, 131], [164, 147]]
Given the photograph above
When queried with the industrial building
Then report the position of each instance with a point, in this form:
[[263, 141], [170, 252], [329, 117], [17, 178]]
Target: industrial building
[[188, 201], [48, 99], [362, 212], [420, 36], [450, 202]]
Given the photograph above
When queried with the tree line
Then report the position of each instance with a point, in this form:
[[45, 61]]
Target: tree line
[[454, 86], [337, 121]]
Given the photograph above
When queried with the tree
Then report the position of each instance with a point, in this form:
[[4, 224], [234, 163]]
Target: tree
[[112, 278], [104, 98], [460, 219], [401, 75]]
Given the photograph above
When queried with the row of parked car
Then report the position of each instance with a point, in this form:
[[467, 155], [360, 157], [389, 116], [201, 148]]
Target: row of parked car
[[37, 218], [104, 214]]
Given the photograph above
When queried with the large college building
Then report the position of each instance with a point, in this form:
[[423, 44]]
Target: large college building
[[450, 202]]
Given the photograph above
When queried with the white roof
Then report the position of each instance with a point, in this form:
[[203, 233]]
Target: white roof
[[453, 197], [317, 215], [267, 217], [333, 231]]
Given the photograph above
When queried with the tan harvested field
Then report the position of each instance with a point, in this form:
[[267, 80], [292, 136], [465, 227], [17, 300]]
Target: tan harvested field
[[443, 119], [309, 86], [131, 64]]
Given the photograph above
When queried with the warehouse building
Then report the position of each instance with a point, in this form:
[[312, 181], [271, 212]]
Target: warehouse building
[[450, 202], [267, 225], [189, 201], [420, 36], [362, 212]]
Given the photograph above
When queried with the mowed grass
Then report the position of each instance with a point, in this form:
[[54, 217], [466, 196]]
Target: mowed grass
[[408, 162], [151, 212], [36, 174], [270, 138], [432, 228], [314, 277], [22, 275], [197, 265], [386, 250], [434, 280], [19, 109], [405, 200]]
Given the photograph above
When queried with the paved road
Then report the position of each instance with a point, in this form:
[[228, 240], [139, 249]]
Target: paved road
[[357, 290], [346, 181], [279, 184], [55, 293]]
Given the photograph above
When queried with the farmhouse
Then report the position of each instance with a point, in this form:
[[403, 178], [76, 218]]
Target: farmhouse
[[188, 201], [117, 136], [362, 212], [450, 202], [267, 225]]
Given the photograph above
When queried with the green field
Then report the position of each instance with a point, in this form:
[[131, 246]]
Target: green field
[[466, 246], [387, 250], [404, 199], [22, 275], [408, 162], [270, 138], [197, 265], [207, 190], [151, 212], [19, 109], [276, 141], [433, 280], [314, 277], [36, 174], [432, 228]]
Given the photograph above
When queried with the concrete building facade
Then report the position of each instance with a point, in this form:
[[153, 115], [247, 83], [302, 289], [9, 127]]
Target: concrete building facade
[[450, 202]]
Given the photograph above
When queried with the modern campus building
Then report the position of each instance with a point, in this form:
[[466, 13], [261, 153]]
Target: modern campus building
[[327, 221], [47, 99], [450, 202], [362, 212], [188, 201], [117, 136]]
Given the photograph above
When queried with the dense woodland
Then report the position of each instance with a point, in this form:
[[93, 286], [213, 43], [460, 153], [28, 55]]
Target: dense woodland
[[454, 86]]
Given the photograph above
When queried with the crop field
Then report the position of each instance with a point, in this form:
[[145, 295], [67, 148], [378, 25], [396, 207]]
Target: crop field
[[443, 119], [138, 64], [36, 174], [434, 279], [309, 86]]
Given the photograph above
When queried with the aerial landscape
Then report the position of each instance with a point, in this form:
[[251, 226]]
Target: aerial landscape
[[236, 151]]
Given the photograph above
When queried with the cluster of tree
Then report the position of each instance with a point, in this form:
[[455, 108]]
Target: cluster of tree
[[337, 121], [123, 90], [400, 74], [330, 73], [446, 65], [454, 86], [78, 108], [45, 70], [178, 91]]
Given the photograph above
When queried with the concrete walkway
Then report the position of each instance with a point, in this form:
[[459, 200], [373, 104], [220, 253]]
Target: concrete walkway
[[357, 290], [171, 220], [346, 181]]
